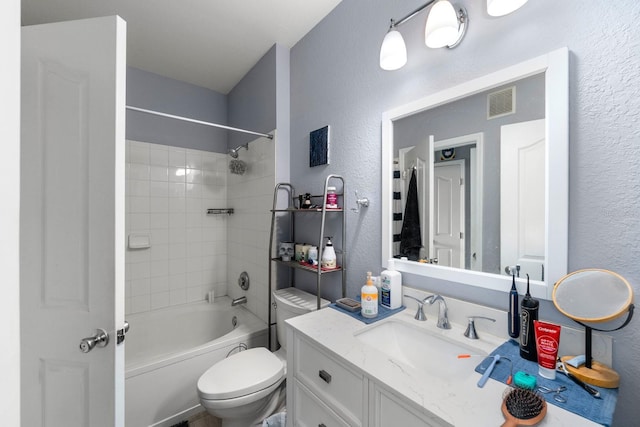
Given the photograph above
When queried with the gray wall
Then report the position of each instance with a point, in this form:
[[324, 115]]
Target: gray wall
[[153, 92], [336, 80]]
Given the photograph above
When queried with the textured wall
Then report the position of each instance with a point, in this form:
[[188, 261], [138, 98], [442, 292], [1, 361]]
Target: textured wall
[[336, 80], [154, 92]]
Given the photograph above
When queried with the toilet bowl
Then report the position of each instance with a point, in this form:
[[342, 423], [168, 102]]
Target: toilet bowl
[[247, 387]]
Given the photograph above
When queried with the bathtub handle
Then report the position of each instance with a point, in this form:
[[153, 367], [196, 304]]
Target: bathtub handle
[[326, 377]]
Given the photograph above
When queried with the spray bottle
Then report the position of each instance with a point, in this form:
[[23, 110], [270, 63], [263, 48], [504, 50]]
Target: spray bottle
[[529, 313]]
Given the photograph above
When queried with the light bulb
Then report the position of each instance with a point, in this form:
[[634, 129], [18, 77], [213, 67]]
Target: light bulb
[[393, 52], [442, 25]]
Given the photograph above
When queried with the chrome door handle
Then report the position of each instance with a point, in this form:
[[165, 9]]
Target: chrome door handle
[[100, 339]]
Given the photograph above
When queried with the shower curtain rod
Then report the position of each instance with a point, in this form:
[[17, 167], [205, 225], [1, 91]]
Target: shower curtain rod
[[200, 122]]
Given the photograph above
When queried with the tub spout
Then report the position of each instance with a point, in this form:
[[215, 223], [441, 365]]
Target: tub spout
[[237, 301]]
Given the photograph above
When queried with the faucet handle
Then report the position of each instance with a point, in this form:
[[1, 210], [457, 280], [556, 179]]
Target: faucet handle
[[471, 327], [420, 313]]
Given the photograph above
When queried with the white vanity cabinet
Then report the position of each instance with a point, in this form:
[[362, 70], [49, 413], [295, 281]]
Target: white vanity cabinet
[[323, 391]]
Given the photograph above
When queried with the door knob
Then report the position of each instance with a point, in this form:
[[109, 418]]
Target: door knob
[[100, 339]]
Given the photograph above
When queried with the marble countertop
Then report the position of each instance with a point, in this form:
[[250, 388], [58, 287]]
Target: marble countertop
[[459, 402]]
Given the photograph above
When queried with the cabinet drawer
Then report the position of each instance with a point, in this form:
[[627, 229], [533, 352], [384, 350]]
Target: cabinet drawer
[[331, 381], [311, 412]]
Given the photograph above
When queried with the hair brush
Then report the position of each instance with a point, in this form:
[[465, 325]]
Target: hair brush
[[522, 407]]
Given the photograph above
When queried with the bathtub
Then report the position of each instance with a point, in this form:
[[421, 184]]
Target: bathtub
[[168, 349]]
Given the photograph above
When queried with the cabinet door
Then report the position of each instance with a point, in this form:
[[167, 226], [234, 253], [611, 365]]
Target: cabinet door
[[309, 411], [390, 411]]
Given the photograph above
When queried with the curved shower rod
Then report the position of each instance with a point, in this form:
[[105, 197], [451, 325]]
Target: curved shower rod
[[200, 122]]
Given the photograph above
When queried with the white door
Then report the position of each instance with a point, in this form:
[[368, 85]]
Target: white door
[[72, 222], [448, 239], [522, 202]]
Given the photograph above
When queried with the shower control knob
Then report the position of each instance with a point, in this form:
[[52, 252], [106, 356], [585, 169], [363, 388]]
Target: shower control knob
[[100, 339]]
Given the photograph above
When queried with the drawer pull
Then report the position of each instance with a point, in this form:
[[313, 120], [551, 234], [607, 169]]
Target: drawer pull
[[326, 377], [321, 425]]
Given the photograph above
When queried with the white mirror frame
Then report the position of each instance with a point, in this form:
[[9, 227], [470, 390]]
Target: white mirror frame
[[555, 66]]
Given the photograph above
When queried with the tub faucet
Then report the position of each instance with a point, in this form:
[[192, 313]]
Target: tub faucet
[[238, 301], [443, 318]]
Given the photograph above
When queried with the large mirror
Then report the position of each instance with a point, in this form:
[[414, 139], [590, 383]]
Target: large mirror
[[475, 179]]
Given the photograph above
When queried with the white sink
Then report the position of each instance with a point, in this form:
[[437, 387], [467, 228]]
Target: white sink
[[427, 351]]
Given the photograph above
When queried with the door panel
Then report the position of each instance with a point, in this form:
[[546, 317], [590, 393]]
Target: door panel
[[72, 221], [522, 197], [448, 240]]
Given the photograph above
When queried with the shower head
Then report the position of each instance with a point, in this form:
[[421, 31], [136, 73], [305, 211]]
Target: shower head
[[233, 152]]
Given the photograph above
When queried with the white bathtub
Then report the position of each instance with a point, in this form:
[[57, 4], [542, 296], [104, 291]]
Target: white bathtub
[[167, 350]]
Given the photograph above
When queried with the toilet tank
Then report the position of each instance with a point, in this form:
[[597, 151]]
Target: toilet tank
[[291, 302]]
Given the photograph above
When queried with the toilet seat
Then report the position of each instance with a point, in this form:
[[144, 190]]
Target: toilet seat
[[242, 374]]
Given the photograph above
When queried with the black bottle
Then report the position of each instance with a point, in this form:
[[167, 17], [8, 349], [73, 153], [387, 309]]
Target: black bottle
[[528, 313]]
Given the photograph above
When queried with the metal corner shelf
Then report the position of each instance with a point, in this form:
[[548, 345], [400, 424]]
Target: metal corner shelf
[[290, 211]]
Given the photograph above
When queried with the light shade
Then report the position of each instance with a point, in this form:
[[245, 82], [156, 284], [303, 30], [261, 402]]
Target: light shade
[[503, 7], [393, 52], [442, 25]]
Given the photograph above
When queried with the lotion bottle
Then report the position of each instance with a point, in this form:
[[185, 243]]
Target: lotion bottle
[[391, 289], [369, 299], [328, 259]]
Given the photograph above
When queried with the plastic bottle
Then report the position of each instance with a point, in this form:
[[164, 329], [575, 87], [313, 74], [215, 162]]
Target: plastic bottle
[[528, 313], [391, 290], [328, 259], [312, 256], [369, 299], [332, 198]]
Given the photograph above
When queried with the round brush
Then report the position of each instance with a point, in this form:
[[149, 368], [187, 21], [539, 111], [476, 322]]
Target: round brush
[[522, 407]]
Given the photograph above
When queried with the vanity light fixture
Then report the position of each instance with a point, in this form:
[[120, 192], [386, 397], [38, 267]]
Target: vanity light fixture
[[503, 7], [445, 27]]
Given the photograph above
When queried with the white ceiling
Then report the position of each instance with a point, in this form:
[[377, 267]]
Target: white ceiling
[[210, 43]]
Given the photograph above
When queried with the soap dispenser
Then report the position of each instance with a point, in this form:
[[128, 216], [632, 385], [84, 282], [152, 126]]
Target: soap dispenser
[[369, 299], [328, 259]]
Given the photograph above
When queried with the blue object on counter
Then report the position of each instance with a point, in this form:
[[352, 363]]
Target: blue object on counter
[[578, 400], [383, 312]]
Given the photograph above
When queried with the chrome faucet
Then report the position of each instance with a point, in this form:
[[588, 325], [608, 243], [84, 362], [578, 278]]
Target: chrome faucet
[[238, 301], [443, 318]]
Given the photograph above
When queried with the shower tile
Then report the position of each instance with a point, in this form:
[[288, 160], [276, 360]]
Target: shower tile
[[177, 205], [177, 281], [158, 270], [158, 189], [160, 300], [194, 219], [177, 235], [194, 293], [177, 251], [159, 236], [194, 159], [177, 174], [140, 303], [194, 205], [194, 264], [177, 190], [138, 153], [177, 220], [194, 191], [158, 155], [138, 171], [159, 252], [138, 204], [140, 287], [139, 221], [137, 255], [194, 235], [159, 284], [177, 296], [158, 204], [177, 157], [137, 187], [158, 173], [158, 220], [194, 176], [194, 278], [177, 266], [194, 249], [138, 270]]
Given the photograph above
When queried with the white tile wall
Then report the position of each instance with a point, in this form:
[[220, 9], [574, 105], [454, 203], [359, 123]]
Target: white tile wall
[[168, 192]]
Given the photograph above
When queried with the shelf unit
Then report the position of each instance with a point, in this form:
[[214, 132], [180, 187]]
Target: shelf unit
[[289, 213]]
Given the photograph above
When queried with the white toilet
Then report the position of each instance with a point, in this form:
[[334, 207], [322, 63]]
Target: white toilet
[[247, 387]]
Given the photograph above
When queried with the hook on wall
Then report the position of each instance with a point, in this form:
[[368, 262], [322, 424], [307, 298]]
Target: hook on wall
[[360, 202]]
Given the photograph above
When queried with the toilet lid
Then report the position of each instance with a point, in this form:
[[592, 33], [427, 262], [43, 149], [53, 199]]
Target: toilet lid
[[241, 374]]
